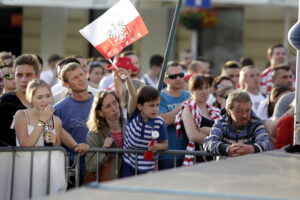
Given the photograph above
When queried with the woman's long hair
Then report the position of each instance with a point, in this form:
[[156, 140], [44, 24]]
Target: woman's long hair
[[97, 123], [275, 93]]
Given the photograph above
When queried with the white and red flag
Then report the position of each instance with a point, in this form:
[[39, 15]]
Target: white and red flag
[[117, 28]]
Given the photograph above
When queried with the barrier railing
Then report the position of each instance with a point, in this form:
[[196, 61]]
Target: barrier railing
[[28, 172], [118, 151]]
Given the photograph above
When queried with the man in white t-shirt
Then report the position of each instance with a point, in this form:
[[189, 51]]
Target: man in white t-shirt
[[50, 75], [250, 82], [152, 77]]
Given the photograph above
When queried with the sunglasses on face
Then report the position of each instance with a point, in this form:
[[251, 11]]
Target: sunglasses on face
[[174, 76], [9, 76], [224, 97]]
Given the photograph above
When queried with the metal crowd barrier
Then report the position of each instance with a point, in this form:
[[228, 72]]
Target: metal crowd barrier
[[118, 151], [13, 177]]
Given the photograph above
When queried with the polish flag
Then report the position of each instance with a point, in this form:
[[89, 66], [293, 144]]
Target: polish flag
[[117, 28]]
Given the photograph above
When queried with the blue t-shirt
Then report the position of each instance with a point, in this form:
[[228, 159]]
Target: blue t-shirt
[[167, 104], [138, 134], [74, 115]]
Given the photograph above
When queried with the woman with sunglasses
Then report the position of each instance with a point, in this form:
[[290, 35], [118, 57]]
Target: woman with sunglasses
[[9, 84], [221, 97], [196, 117]]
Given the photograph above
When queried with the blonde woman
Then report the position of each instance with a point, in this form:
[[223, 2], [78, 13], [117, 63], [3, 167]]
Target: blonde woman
[[37, 126], [31, 123]]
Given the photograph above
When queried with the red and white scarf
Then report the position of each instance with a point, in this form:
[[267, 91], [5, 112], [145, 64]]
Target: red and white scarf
[[196, 113]]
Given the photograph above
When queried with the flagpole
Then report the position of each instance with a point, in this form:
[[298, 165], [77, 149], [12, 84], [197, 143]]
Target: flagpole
[[296, 139], [169, 44], [295, 148]]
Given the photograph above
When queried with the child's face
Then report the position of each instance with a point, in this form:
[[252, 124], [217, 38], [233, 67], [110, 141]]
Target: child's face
[[149, 109]]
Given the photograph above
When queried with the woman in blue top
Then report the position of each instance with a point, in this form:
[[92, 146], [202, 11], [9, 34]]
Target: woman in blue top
[[143, 121]]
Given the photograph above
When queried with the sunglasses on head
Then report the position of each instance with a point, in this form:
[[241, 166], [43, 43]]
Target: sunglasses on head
[[9, 76], [174, 76]]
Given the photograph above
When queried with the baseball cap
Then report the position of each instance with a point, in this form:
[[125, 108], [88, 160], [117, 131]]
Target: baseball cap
[[124, 63]]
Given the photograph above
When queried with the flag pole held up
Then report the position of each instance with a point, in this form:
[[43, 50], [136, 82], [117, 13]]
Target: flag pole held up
[[169, 44]]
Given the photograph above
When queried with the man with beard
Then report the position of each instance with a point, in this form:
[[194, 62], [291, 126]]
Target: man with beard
[[239, 131], [250, 83]]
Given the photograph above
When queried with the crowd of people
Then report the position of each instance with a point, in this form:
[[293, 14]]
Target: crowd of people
[[81, 103]]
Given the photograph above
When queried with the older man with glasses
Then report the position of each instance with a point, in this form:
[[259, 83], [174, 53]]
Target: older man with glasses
[[9, 84]]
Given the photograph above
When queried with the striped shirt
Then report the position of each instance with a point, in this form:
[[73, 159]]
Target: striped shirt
[[223, 134], [138, 134], [266, 81], [118, 138]]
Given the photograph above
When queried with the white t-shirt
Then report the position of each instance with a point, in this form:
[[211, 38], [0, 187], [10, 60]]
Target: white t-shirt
[[256, 100], [211, 100], [106, 82], [57, 88], [148, 81], [47, 76], [262, 111]]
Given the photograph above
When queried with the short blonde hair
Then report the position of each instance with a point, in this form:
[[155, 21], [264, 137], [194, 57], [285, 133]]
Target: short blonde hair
[[243, 73], [66, 68]]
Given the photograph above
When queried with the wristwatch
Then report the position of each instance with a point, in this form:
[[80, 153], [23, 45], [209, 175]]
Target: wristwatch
[[227, 149]]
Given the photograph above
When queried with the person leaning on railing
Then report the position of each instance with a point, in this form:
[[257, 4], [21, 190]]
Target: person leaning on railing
[[30, 124], [37, 126], [105, 125]]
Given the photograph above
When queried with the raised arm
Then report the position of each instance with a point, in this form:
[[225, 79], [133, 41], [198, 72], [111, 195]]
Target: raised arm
[[131, 89], [26, 139]]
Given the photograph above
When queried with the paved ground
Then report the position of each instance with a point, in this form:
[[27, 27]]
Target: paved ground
[[271, 175]]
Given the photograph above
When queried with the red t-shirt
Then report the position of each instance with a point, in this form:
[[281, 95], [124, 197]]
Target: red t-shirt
[[285, 132], [119, 138]]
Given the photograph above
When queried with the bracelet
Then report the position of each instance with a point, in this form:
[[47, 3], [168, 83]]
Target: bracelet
[[76, 145], [42, 122]]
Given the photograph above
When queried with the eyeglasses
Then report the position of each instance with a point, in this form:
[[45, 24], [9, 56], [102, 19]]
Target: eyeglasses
[[6, 64], [174, 76], [9, 76], [224, 97]]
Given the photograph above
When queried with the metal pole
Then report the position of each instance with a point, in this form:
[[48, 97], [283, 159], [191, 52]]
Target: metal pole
[[297, 96], [287, 19], [169, 44], [194, 43]]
